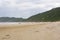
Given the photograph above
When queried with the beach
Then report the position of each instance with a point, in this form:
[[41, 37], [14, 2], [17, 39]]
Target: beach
[[30, 31]]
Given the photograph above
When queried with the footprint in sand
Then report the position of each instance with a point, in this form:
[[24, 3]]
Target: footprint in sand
[[50, 28], [6, 37], [36, 31]]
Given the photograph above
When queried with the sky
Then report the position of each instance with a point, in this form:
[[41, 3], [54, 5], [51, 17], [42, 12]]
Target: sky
[[25, 8]]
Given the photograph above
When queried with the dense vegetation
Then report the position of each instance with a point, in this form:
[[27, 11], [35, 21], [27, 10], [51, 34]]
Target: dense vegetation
[[51, 15], [11, 19]]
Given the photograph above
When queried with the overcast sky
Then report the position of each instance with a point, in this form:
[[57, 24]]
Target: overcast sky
[[25, 8]]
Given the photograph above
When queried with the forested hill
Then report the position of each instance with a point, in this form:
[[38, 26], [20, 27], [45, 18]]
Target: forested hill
[[11, 19], [51, 15]]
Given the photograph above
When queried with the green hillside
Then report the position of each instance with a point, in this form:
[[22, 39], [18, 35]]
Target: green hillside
[[11, 19], [51, 15]]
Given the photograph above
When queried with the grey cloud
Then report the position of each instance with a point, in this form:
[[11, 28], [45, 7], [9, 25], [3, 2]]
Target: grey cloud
[[33, 1], [13, 12], [17, 12]]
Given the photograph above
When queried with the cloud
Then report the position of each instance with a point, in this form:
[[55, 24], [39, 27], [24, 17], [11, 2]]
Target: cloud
[[26, 8]]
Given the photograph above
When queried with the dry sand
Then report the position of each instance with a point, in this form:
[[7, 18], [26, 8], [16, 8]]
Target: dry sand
[[30, 31]]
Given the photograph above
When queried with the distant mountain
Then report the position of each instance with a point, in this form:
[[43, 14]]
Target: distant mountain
[[11, 19], [51, 15]]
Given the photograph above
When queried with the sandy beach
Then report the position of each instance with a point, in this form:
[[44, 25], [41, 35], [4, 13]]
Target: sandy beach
[[30, 31]]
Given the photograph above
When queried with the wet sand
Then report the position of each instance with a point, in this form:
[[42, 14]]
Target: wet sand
[[30, 31]]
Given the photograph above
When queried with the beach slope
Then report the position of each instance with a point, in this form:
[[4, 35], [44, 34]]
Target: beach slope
[[30, 31]]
